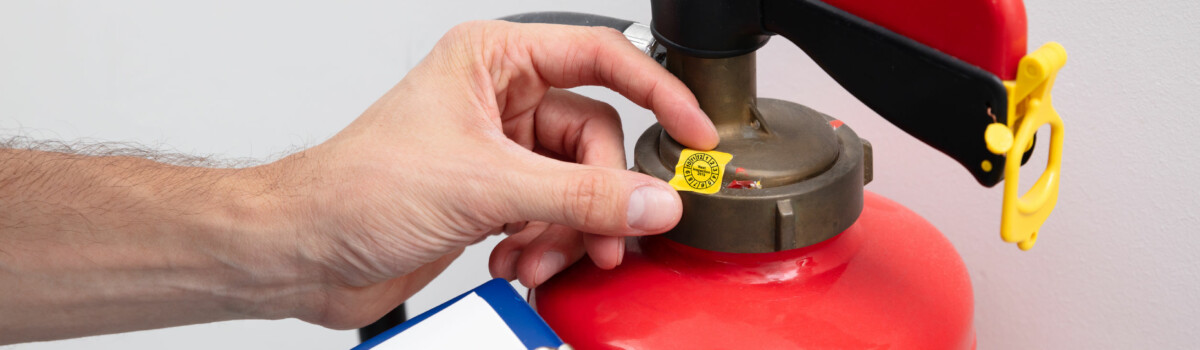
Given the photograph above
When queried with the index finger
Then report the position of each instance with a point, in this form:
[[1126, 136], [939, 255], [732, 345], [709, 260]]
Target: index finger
[[569, 56]]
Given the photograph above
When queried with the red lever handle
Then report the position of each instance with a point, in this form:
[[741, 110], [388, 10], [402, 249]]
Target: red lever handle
[[989, 34]]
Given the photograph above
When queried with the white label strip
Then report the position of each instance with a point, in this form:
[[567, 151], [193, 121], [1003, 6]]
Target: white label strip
[[470, 323]]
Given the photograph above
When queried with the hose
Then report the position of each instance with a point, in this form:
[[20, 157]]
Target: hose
[[570, 18]]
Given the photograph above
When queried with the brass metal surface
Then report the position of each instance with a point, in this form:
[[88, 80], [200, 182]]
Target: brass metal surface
[[758, 220], [775, 151], [726, 89], [811, 168]]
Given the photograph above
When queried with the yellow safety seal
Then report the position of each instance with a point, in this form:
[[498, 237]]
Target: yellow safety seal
[[700, 171], [1029, 109]]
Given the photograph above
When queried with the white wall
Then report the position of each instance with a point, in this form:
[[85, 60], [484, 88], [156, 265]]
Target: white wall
[[1114, 267]]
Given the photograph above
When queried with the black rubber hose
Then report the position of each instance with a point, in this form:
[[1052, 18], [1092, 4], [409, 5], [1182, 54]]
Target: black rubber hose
[[571, 18]]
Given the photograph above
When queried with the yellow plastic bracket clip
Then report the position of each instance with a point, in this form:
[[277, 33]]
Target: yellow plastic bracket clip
[[1029, 108]]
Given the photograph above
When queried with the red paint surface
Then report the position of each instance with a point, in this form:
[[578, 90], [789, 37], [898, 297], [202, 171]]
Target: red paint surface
[[990, 34], [890, 281], [836, 124]]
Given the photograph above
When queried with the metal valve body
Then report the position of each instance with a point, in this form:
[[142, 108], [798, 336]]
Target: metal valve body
[[806, 260], [802, 257]]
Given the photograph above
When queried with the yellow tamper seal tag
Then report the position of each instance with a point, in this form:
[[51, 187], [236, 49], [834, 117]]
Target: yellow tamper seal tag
[[699, 171]]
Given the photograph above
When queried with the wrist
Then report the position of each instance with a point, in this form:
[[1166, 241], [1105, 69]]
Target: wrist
[[263, 235]]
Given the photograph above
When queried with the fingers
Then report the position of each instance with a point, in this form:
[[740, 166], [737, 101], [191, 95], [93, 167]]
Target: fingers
[[605, 201], [514, 227], [569, 56], [599, 196], [503, 260], [535, 254], [551, 252], [542, 250], [606, 251], [579, 129], [590, 131], [586, 130]]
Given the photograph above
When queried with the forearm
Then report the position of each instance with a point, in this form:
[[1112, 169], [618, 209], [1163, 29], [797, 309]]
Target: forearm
[[93, 245]]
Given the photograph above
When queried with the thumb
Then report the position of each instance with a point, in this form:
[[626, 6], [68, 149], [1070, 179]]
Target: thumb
[[590, 199]]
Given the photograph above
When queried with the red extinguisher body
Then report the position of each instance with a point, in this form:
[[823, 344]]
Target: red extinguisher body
[[889, 281]]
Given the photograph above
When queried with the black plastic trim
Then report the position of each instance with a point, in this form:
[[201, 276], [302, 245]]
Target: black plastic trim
[[939, 99], [709, 28], [704, 53]]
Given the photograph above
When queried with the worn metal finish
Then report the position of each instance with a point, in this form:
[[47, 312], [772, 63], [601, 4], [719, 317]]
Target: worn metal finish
[[726, 89], [775, 152], [868, 162], [750, 220], [811, 169], [640, 36], [798, 144]]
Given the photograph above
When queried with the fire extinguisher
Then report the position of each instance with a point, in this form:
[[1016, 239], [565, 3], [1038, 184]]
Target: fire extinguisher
[[779, 246]]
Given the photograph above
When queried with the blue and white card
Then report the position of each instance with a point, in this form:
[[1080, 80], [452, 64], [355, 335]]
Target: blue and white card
[[491, 316]]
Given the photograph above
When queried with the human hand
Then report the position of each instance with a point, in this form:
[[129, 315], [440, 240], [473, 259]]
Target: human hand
[[478, 137]]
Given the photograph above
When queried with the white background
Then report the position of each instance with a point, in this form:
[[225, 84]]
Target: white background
[[1115, 267]]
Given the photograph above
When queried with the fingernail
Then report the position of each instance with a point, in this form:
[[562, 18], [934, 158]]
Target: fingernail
[[711, 126], [651, 208], [620, 251], [551, 263]]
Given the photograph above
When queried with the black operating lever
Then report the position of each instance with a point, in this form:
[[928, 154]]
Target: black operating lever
[[941, 100]]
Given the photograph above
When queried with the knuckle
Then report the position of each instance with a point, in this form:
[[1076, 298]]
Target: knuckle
[[608, 111], [458, 31], [608, 33], [601, 36], [467, 32], [465, 28], [601, 116], [590, 199]]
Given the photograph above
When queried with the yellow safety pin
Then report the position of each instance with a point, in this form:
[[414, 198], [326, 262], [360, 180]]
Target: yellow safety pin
[[1029, 108]]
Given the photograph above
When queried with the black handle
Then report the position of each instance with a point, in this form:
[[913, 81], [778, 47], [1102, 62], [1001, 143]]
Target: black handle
[[570, 18], [940, 100]]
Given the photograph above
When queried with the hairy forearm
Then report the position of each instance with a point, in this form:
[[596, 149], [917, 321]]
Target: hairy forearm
[[93, 245]]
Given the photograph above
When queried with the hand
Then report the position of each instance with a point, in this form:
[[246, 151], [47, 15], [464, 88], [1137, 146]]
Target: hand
[[479, 137]]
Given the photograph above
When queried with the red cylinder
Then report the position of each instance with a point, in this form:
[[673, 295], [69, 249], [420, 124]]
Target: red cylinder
[[890, 281]]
